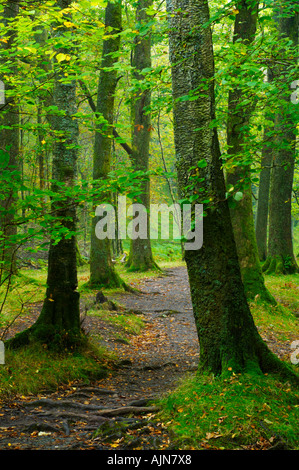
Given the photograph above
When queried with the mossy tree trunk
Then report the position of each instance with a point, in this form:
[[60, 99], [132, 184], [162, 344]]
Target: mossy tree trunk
[[227, 334], [238, 175], [102, 271], [140, 256], [280, 257], [58, 325], [9, 144]]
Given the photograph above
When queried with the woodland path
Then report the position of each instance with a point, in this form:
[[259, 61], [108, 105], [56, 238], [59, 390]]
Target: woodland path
[[150, 364]]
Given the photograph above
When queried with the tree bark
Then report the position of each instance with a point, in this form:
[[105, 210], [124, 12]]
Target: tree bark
[[58, 325], [9, 144], [227, 334], [140, 256], [262, 215], [261, 225], [239, 175], [44, 100], [281, 259], [102, 271]]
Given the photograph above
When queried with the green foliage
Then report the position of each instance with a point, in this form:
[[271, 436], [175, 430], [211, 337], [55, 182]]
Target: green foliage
[[4, 158]]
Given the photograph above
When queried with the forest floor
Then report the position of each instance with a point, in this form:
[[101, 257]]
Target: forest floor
[[116, 412]]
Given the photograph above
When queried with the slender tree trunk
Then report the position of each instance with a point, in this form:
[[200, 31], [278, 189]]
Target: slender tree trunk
[[261, 225], [227, 334], [281, 259], [140, 256], [59, 322], [262, 215], [242, 213], [102, 272], [45, 99], [9, 144]]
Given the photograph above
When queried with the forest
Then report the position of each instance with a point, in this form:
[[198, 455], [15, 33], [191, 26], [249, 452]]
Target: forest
[[149, 227]]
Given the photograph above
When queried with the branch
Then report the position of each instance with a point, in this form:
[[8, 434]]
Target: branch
[[296, 196], [93, 107]]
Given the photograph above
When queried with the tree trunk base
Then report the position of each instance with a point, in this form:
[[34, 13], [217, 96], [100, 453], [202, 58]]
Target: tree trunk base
[[255, 287], [51, 337], [259, 361], [110, 279], [279, 265], [57, 327], [134, 266]]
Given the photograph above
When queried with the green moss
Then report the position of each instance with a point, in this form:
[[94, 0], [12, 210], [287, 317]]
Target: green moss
[[254, 286], [279, 265], [236, 412], [34, 368], [113, 280], [54, 338], [142, 266]]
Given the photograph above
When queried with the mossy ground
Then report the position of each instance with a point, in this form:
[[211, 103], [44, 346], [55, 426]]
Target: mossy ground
[[33, 369], [240, 412]]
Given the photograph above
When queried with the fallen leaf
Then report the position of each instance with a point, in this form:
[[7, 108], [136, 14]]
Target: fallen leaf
[[212, 435]]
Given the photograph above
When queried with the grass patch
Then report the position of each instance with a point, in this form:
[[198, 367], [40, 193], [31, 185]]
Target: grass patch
[[164, 251], [236, 413], [122, 326], [281, 320], [26, 288], [131, 324], [33, 369], [286, 290]]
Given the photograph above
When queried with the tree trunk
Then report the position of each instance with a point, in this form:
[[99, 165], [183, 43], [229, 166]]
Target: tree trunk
[[58, 325], [45, 99], [227, 334], [9, 144], [281, 259], [262, 215], [102, 272], [140, 256], [261, 225], [242, 212]]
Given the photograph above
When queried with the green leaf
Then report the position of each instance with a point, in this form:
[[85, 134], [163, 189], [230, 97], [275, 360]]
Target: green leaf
[[4, 158], [238, 196], [201, 164]]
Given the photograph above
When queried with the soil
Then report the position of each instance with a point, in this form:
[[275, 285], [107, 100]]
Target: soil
[[118, 412]]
